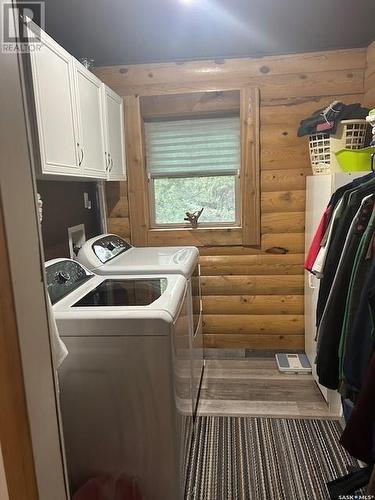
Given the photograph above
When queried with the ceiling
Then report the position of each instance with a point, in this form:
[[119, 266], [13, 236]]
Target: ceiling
[[139, 31]]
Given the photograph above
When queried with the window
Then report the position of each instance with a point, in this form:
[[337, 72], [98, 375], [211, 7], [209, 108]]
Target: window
[[172, 170], [193, 164]]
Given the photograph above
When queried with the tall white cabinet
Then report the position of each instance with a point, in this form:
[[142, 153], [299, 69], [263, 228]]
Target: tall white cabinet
[[80, 120], [319, 189]]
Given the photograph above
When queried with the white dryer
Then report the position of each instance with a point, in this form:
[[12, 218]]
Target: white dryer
[[124, 386], [108, 254]]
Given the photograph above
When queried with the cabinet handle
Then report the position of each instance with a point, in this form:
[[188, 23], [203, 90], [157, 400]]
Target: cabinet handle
[[111, 165], [106, 161], [109, 162], [81, 160]]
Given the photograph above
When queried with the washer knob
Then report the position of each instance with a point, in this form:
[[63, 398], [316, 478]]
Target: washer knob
[[62, 277]]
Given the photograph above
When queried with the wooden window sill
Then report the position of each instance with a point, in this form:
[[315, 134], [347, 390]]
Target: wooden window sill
[[201, 236], [197, 229]]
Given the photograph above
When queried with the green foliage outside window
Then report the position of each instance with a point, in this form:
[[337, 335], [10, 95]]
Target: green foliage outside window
[[175, 196]]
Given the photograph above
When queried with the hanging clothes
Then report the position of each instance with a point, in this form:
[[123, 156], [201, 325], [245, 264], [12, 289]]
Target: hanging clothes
[[349, 206], [321, 235], [345, 264], [358, 282], [329, 331], [358, 436], [360, 341]]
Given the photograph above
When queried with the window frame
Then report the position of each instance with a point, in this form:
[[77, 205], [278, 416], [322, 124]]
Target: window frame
[[139, 108]]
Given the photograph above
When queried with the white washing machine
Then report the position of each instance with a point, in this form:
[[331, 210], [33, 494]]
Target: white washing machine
[[108, 254], [124, 386]]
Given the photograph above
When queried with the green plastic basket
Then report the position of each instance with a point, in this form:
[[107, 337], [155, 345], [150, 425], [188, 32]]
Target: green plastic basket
[[355, 160]]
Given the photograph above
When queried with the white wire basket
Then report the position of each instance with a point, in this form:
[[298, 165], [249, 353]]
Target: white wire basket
[[350, 134]]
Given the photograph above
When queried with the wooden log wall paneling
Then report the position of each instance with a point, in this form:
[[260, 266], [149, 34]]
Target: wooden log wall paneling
[[250, 265], [253, 299], [118, 208], [369, 98]]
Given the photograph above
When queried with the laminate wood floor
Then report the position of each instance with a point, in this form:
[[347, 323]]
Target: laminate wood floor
[[255, 387]]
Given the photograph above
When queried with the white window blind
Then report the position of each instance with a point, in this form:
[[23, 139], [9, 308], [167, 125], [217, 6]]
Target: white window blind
[[197, 147]]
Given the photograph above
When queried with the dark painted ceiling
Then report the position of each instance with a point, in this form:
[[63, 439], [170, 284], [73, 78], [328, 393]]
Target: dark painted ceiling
[[137, 31]]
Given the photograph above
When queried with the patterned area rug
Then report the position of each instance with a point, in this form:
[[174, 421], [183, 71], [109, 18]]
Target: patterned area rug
[[237, 458]]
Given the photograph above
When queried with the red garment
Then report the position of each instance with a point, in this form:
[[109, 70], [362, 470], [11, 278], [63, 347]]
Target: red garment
[[109, 488], [318, 236], [358, 436], [93, 489]]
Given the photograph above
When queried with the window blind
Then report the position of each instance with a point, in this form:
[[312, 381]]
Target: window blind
[[182, 148]]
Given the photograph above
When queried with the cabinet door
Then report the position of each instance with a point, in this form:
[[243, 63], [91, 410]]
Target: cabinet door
[[90, 120], [52, 70], [114, 119]]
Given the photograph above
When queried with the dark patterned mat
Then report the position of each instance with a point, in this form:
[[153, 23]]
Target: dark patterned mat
[[265, 459]]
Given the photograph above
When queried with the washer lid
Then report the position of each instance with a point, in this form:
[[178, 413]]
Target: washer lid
[[124, 292], [108, 247]]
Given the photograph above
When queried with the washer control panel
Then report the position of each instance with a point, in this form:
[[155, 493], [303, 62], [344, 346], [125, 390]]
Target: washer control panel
[[63, 277], [110, 246]]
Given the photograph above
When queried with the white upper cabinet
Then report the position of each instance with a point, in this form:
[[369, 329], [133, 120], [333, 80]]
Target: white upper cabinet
[[80, 120], [115, 135], [53, 81], [90, 121]]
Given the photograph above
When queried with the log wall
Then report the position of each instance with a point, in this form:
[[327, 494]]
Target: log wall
[[253, 299]]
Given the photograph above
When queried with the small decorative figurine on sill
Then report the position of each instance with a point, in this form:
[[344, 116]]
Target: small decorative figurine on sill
[[193, 217]]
